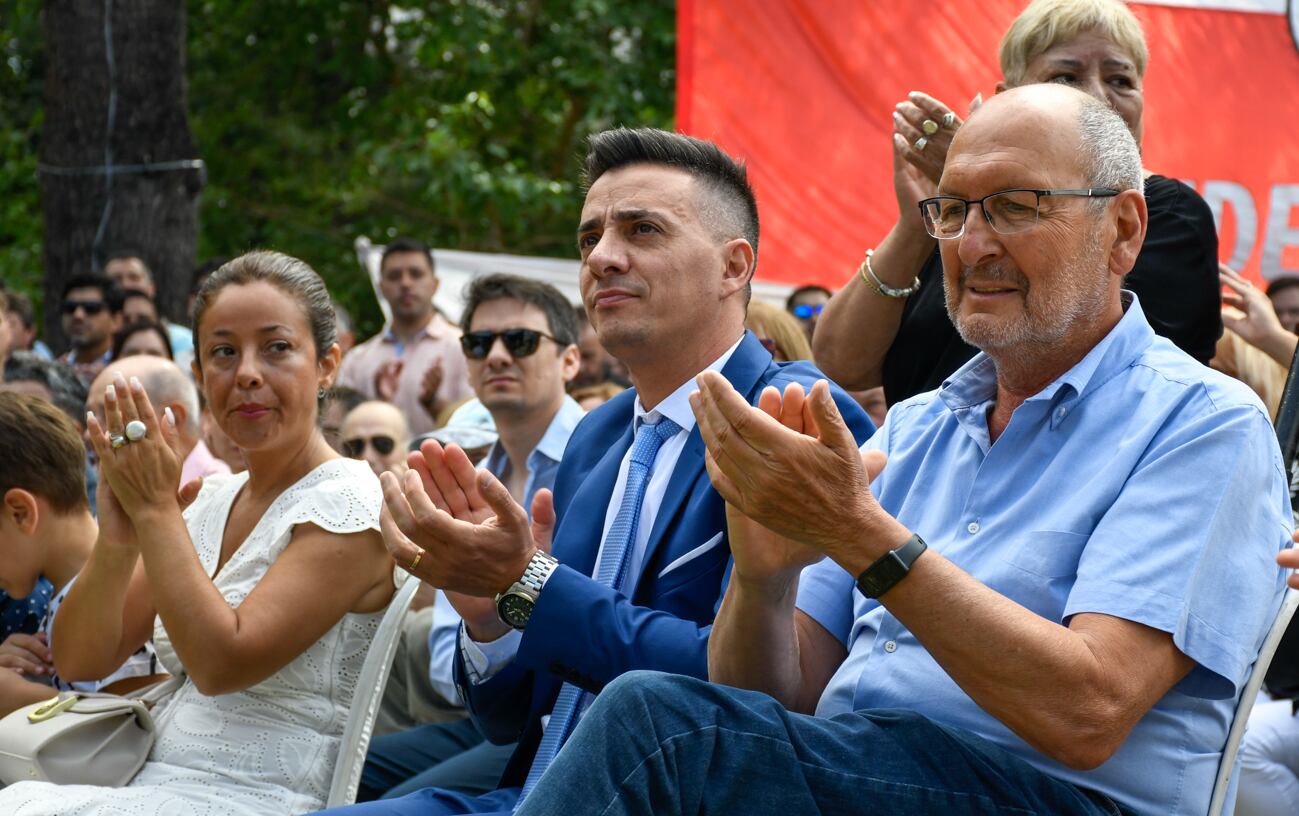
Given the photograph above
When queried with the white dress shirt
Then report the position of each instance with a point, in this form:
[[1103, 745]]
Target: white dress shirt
[[482, 660]]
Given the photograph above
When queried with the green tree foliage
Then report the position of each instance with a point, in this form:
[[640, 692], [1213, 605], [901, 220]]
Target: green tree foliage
[[460, 122]]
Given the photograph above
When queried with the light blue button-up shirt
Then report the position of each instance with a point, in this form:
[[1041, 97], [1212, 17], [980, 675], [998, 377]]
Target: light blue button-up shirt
[[1140, 485], [543, 467]]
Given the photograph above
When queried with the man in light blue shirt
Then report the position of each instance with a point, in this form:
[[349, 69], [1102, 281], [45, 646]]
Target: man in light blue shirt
[[520, 345], [1101, 512]]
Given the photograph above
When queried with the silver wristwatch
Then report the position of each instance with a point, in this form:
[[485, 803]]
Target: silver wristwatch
[[514, 605]]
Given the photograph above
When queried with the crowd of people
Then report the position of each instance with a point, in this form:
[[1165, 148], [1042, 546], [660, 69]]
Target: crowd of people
[[1001, 524]]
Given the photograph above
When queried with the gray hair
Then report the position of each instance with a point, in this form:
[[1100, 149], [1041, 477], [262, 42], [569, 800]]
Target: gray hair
[[169, 384], [1110, 155]]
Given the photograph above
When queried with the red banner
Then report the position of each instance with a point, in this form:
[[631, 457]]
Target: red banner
[[804, 91]]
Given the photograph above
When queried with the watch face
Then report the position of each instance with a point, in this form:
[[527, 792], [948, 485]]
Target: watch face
[[515, 609]]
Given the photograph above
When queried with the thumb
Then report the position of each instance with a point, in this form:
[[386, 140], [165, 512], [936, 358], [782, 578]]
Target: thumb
[[498, 498], [189, 492], [831, 429], [543, 518], [874, 462]]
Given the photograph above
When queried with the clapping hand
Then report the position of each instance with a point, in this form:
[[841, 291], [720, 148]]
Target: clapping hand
[[144, 472], [793, 468], [1249, 313], [429, 386], [385, 380], [909, 127]]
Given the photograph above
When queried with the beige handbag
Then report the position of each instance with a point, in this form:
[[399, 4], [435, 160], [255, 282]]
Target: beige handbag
[[79, 738]]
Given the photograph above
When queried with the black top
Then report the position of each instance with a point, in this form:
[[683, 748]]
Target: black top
[[1175, 276]]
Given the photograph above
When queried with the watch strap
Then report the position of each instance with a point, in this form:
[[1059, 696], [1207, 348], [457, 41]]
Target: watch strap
[[890, 568]]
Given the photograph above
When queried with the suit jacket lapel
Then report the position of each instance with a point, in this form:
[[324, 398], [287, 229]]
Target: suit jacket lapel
[[743, 370], [583, 527]]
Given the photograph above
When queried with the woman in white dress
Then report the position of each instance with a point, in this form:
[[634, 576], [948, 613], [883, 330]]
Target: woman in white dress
[[263, 595]]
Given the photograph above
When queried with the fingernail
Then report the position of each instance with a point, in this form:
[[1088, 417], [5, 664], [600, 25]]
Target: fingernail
[[110, 392], [135, 384], [897, 118], [913, 94], [90, 417], [171, 418]]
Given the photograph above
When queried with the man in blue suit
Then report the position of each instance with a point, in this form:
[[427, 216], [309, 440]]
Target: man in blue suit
[[668, 238]]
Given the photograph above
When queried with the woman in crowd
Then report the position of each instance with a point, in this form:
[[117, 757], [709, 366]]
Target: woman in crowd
[[267, 590], [889, 326], [142, 337], [779, 331]]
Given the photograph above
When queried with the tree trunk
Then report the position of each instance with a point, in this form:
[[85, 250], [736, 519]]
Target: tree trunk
[[112, 116]]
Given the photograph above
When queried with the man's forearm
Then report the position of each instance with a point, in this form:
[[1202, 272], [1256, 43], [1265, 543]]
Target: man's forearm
[[754, 642]]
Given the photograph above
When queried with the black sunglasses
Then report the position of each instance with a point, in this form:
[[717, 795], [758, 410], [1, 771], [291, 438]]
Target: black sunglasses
[[90, 307], [383, 445], [518, 342]]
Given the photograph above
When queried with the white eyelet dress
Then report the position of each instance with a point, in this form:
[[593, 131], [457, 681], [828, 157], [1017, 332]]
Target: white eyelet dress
[[271, 748]]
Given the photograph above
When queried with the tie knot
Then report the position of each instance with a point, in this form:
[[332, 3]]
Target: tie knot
[[649, 438]]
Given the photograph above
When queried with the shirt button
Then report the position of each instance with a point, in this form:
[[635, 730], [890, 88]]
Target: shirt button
[[973, 527], [890, 647], [1060, 413]]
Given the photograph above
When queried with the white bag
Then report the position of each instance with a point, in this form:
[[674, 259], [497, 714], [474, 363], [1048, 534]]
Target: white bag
[[77, 738]]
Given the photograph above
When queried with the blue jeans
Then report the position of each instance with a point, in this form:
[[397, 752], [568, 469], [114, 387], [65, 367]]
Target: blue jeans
[[665, 744], [435, 802], [450, 755]]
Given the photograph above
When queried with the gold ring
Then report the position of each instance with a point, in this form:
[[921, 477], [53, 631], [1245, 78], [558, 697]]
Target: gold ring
[[929, 126], [415, 563]]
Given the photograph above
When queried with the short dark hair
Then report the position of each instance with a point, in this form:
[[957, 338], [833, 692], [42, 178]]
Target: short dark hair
[[119, 340], [1281, 284], [720, 175], [803, 290], [556, 307], [107, 288], [21, 305], [405, 244], [347, 397], [66, 388], [129, 253], [41, 452], [286, 273], [127, 294]]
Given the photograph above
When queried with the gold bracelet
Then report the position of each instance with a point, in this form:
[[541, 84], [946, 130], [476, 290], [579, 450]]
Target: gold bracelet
[[880, 287]]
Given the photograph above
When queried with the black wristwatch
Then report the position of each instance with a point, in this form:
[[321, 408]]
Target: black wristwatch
[[514, 605], [890, 568]]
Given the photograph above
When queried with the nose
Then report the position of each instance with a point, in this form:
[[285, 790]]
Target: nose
[[979, 244], [248, 375], [498, 356], [608, 256]]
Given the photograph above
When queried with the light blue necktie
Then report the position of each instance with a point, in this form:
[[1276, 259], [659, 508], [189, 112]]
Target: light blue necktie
[[611, 571]]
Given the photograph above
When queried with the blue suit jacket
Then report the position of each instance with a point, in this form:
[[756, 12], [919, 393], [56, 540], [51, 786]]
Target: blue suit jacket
[[587, 633]]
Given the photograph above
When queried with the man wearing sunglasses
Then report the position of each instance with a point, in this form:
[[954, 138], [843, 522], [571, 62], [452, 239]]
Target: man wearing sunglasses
[[668, 237], [520, 345], [91, 309], [376, 432]]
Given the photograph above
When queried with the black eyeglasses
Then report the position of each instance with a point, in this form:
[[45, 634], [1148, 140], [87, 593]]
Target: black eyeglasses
[[383, 445], [90, 307], [1008, 211], [518, 342], [804, 311]]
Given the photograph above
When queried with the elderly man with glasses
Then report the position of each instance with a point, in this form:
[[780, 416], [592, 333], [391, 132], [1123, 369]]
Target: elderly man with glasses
[[1047, 580]]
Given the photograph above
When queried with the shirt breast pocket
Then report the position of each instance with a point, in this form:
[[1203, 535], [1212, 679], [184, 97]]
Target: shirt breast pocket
[[1040, 570]]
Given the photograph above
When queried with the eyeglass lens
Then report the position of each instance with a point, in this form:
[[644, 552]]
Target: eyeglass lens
[[90, 307], [1007, 212], [383, 445], [518, 342]]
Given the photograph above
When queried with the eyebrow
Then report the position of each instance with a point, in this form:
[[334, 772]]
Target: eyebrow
[[1110, 62], [273, 327], [621, 216]]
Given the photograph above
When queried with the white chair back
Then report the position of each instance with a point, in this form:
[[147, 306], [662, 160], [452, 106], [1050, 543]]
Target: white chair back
[[1222, 785], [369, 693]]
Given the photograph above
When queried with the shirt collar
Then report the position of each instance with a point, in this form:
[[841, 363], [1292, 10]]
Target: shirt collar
[[976, 382], [435, 329], [677, 406], [552, 443]]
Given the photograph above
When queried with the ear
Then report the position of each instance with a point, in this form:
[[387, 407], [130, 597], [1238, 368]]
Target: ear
[[327, 366], [181, 413], [738, 261], [1129, 231], [570, 363], [22, 510]]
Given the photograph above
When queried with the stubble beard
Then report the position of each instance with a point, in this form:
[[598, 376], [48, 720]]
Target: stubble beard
[[1049, 311]]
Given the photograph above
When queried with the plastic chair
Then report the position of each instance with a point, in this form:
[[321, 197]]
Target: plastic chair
[[369, 693], [1223, 784]]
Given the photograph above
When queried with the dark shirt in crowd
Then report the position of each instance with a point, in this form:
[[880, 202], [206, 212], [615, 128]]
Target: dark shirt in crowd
[[1175, 277], [23, 615]]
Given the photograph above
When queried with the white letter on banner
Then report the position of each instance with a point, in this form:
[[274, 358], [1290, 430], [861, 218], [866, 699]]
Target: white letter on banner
[[1218, 194], [1285, 198]]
